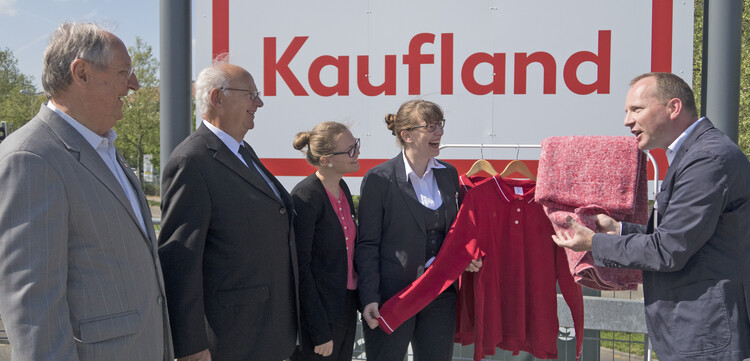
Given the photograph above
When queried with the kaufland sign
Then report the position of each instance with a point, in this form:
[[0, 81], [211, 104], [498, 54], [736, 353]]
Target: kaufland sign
[[504, 71]]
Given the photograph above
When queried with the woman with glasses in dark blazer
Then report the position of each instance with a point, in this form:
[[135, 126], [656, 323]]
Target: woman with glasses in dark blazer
[[406, 207], [325, 233]]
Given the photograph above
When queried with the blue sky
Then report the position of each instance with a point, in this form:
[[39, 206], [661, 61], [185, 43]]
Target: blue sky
[[25, 25]]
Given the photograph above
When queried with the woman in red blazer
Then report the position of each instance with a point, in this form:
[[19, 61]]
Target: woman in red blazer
[[325, 233]]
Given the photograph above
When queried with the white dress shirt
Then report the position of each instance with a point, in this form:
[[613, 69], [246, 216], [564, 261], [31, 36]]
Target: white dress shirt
[[106, 149], [425, 186], [675, 146]]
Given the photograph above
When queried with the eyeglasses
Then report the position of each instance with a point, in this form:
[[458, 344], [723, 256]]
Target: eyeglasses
[[432, 126], [351, 151], [129, 71], [252, 94]]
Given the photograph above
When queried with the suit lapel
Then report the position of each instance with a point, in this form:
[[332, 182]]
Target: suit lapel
[[407, 190], [285, 198], [226, 157], [142, 202], [702, 127], [330, 213], [91, 160], [448, 194]]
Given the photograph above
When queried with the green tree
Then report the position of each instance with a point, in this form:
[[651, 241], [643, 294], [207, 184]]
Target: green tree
[[16, 108], [138, 130], [744, 124], [744, 116]]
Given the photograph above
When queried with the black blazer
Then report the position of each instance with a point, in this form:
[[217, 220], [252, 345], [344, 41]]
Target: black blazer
[[321, 253], [391, 248], [228, 255]]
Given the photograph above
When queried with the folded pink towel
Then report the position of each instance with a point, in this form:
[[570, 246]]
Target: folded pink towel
[[580, 176]]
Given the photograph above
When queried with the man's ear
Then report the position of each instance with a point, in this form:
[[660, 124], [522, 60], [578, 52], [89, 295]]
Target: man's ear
[[674, 107], [79, 70], [216, 95]]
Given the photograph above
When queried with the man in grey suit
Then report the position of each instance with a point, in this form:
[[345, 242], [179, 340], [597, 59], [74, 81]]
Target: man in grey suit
[[695, 262], [79, 271], [227, 241]]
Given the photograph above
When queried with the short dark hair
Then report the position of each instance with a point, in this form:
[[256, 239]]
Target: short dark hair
[[670, 86]]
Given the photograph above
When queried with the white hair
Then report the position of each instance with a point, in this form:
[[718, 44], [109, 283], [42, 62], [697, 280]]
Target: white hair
[[71, 41], [208, 79]]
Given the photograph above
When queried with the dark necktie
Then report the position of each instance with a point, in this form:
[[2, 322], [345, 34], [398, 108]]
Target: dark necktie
[[254, 170]]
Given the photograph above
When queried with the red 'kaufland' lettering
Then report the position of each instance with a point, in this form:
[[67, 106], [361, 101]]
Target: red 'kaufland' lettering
[[602, 61], [498, 78], [341, 64], [522, 64], [414, 59], [446, 63], [271, 66], [389, 82]]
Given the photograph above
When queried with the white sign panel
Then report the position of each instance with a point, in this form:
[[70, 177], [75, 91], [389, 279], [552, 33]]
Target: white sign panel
[[504, 72]]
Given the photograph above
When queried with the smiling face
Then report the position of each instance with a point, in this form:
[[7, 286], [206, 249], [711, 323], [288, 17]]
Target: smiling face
[[649, 118], [237, 109], [342, 163], [421, 142], [107, 87]]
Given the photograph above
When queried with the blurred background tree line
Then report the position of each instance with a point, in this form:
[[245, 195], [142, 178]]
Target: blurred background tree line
[[138, 131]]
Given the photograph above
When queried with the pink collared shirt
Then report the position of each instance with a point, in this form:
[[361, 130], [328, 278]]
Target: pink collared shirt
[[345, 216]]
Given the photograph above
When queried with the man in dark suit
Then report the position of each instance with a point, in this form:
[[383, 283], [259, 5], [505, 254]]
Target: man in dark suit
[[227, 241], [696, 274], [79, 271]]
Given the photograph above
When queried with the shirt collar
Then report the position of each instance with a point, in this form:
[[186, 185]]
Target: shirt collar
[[92, 138], [228, 140], [675, 146], [431, 164]]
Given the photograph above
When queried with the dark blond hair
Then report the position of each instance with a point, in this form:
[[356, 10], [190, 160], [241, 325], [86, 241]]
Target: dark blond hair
[[670, 86], [409, 114], [320, 141]]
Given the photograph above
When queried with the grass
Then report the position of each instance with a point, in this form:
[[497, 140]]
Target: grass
[[631, 343]]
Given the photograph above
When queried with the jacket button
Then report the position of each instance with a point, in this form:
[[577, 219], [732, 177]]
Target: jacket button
[[282, 210], [160, 300]]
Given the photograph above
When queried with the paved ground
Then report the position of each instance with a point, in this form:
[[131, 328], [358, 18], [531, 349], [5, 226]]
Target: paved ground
[[605, 355], [155, 211], [4, 346]]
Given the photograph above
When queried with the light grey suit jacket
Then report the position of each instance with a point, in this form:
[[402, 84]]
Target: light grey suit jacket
[[696, 263], [79, 279]]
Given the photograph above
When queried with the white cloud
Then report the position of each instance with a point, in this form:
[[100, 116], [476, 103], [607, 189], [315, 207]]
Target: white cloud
[[8, 7]]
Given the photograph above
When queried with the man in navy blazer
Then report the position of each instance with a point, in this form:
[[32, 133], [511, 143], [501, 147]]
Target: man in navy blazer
[[227, 242], [695, 262]]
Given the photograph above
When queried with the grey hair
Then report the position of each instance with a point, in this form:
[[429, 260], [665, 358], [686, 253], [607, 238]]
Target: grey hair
[[71, 41], [208, 79]]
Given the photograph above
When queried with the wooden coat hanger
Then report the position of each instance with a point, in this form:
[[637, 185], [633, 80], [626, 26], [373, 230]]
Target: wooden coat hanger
[[517, 166], [481, 165]]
